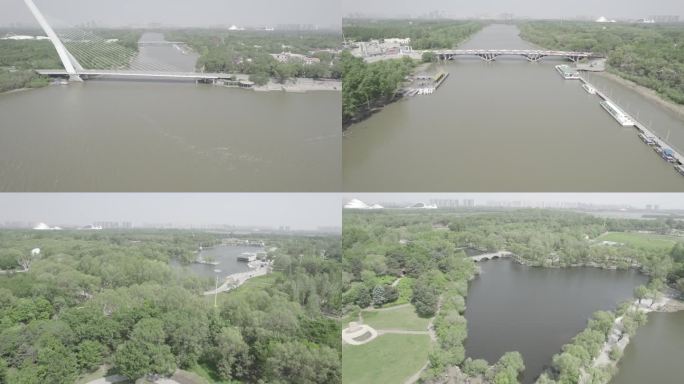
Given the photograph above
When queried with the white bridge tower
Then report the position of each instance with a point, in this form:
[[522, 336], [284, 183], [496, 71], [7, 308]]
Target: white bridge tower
[[70, 63]]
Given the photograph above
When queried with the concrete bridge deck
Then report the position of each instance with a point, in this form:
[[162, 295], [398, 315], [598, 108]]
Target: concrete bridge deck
[[529, 54], [122, 74]]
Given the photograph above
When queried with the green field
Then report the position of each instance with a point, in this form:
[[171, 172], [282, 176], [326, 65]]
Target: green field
[[390, 358], [404, 317], [641, 240]]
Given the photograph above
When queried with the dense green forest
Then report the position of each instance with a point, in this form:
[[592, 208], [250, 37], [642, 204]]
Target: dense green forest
[[250, 52], [427, 249], [19, 58], [424, 34], [370, 85], [113, 299], [367, 86], [649, 55]]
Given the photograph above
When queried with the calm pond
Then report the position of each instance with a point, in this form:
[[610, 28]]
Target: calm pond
[[512, 307]]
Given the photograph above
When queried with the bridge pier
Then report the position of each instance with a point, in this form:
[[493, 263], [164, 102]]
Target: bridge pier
[[533, 58]]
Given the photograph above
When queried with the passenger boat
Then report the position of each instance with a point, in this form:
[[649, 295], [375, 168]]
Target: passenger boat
[[590, 90], [647, 139], [617, 113], [567, 72]]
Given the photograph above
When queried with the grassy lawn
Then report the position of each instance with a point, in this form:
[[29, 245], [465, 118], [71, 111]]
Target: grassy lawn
[[390, 359], [641, 240], [201, 374], [396, 318], [259, 282]]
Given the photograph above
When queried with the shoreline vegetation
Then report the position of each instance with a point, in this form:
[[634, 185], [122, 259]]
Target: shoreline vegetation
[[645, 55], [370, 86], [649, 93], [93, 299], [427, 247], [310, 61]]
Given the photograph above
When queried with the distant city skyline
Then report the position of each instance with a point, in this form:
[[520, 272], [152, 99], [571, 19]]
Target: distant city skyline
[[298, 211], [554, 9], [179, 13], [550, 200]]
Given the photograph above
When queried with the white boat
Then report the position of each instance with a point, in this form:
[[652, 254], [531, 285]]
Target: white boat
[[617, 113], [590, 90], [567, 72]]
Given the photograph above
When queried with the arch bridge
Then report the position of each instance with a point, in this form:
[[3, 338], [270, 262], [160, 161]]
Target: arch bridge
[[532, 55]]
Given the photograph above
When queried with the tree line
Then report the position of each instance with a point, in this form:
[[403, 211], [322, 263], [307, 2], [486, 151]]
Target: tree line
[[424, 34], [426, 248], [649, 55], [249, 52], [122, 300]]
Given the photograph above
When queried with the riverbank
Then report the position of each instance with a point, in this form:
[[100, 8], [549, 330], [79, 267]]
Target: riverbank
[[617, 341], [232, 281], [648, 93], [377, 107], [301, 85]]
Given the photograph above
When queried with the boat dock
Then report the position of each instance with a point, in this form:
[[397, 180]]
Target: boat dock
[[663, 149], [425, 89]]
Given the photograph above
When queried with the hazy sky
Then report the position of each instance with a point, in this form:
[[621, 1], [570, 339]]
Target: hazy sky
[[177, 12], [637, 200], [530, 8], [297, 210]]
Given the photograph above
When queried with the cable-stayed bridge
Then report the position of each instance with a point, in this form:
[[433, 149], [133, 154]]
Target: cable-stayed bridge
[[85, 54]]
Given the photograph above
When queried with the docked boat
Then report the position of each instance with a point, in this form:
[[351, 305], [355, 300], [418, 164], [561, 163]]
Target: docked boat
[[567, 72], [650, 140], [668, 155], [617, 113], [590, 90]]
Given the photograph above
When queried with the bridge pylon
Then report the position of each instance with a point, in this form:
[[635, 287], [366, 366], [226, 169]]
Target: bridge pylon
[[71, 65]]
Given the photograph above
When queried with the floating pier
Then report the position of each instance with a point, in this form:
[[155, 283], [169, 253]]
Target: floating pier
[[663, 149]]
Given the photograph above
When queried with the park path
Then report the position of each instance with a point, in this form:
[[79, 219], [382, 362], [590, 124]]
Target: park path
[[433, 336]]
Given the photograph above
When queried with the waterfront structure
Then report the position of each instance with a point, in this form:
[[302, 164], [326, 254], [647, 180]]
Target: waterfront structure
[[286, 57], [617, 113], [529, 54], [247, 257], [568, 73]]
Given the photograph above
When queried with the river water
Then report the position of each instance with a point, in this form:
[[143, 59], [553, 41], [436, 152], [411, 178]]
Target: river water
[[168, 136], [509, 125], [655, 353], [535, 311]]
